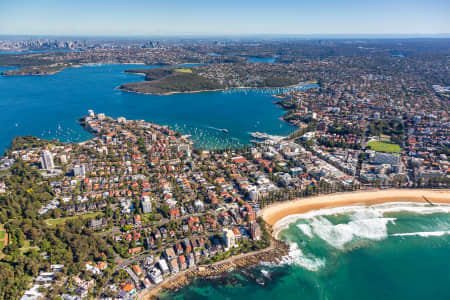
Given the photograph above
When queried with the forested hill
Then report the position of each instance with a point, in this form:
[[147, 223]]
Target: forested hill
[[69, 243], [163, 81]]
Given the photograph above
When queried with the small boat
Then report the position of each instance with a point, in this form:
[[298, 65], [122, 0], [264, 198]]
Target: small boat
[[219, 129]]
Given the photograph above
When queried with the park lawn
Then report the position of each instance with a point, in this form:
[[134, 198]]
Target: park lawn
[[146, 218], [2, 245], [2, 234], [184, 70], [54, 222], [384, 147]]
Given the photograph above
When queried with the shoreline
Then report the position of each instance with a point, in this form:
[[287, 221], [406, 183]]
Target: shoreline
[[214, 90], [278, 211], [276, 250]]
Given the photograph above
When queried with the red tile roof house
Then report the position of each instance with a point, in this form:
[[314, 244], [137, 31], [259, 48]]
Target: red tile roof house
[[174, 212], [239, 160], [133, 251], [137, 270], [182, 262], [136, 235]]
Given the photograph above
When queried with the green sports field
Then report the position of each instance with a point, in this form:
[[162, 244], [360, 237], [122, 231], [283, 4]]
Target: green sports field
[[384, 147]]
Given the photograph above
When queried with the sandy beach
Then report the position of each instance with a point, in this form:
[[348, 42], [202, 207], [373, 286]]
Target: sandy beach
[[277, 211]]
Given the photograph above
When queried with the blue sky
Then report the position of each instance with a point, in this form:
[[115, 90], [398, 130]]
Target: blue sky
[[176, 17]]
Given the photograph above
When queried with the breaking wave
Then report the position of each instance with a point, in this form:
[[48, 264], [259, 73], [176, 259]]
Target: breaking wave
[[359, 223], [297, 257], [339, 235], [363, 212], [306, 228], [423, 234]]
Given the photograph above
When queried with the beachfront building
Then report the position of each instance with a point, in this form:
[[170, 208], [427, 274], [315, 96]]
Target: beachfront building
[[173, 266], [255, 231], [155, 275], [163, 266], [229, 238]]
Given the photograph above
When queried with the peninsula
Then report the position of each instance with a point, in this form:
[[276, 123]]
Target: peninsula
[[168, 81], [38, 70], [215, 77]]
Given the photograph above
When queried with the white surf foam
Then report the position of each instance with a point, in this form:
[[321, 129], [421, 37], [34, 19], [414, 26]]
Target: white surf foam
[[423, 233], [341, 234], [365, 222], [306, 229], [266, 274], [360, 212], [297, 257]]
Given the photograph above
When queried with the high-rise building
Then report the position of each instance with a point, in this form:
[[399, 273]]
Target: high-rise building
[[63, 159], [146, 204], [47, 160], [229, 238], [79, 171], [255, 231]]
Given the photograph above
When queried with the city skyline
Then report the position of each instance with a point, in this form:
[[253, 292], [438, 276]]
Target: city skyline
[[285, 17]]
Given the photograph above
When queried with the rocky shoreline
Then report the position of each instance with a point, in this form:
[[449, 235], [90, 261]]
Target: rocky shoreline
[[273, 253]]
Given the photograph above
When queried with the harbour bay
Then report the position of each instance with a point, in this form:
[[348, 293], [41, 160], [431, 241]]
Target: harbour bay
[[48, 107]]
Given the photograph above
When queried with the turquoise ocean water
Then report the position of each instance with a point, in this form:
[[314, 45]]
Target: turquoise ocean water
[[390, 251]]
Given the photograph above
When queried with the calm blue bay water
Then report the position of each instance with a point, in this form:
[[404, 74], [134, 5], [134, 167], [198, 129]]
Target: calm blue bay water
[[270, 60], [365, 254], [48, 107]]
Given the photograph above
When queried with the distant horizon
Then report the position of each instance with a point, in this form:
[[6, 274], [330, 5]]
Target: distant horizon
[[234, 36]]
